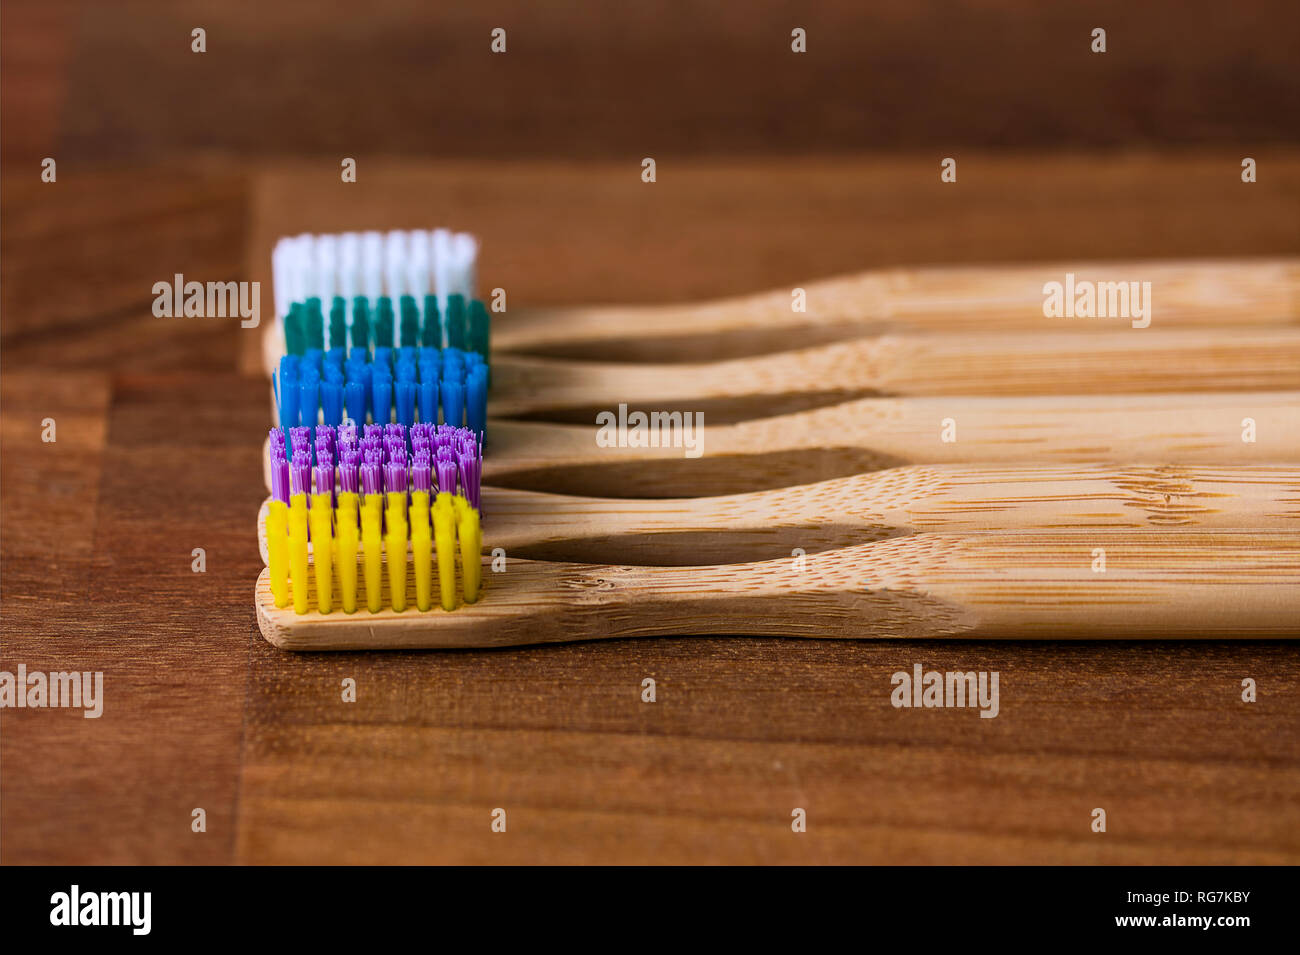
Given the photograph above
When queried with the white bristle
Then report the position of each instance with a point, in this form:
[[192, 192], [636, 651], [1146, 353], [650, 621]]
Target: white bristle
[[349, 282], [395, 265], [372, 265], [466, 250], [326, 268], [303, 278], [280, 257], [418, 270], [442, 266]]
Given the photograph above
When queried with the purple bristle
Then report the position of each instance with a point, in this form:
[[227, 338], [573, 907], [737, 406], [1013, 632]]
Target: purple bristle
[[349, 470], [300, 472], [470, 460], [299, 440], [445, 465], [421, 477], [371, 480], [325, 434], [324, 477], [395, 474], [279, 475]]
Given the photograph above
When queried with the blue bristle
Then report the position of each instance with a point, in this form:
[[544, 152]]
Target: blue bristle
[[405, 391], [309, 402], [355, 399], [407, 384], [428, 369], [476, 386], [453, 401], [429, 400], [331, 399], [381, 407], [286, 389]]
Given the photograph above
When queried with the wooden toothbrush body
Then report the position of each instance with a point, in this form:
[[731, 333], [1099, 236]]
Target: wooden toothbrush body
[[1153, 584], [951, 499], [876, 433], [1129, 361], [1210, 293]]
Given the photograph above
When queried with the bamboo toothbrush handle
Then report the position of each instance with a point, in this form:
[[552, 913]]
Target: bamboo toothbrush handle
[[998, 364], [864, 507], [940, 499], [1147, 585], [872, 434], [1220, 293]]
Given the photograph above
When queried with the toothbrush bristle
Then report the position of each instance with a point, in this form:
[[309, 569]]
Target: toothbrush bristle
[[382, 390], [300, 473], [409, 483]]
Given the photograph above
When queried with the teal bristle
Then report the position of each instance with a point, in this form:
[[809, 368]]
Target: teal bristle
[[338, 323], [295, 338], [410, 328], [360, 323], [384, 323], [456, 321], [315, 324], [431, 332]]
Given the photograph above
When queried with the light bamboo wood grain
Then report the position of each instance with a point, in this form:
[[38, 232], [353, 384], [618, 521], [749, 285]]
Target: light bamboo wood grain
[[873, 434], [1022, 363], [1215, 293], [877, 433], [1156, 584], [852, 510]]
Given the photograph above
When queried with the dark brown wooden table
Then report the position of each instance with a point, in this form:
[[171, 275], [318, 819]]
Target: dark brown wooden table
[[159, 429]]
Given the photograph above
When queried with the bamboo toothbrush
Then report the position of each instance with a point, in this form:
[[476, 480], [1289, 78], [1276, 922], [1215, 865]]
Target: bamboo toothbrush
[[1214, 293], [1153, 584], [853, 510], [876, 433], [393, 485], [1239, 428], [910, 364]]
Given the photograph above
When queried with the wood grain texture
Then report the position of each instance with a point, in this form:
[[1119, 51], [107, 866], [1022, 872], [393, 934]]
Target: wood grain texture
[[1205, 293], [581, 81], [1024, 586], [1024, 364], [877, 433], [893, 306], [202, 711], [765, 525]]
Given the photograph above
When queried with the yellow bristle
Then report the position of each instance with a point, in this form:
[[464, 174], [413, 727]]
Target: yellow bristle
[[470, 532], [345, 535], [298, 562], [277, 548], [444, 535], [322, 549], [372, 544], [395, 544], [422, 549]]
